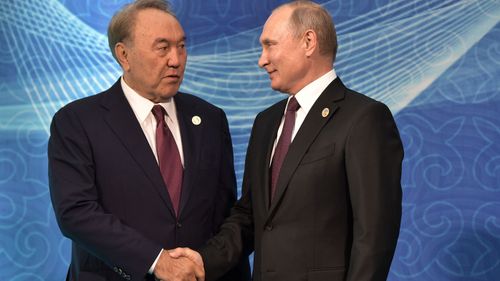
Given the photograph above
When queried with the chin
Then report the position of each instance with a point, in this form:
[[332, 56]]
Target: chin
[[162, 96], [277, 88], [168, 95], [169, 91]]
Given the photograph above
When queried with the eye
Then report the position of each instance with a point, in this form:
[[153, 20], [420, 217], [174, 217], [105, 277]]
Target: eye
[[163, 46], [267, 44]]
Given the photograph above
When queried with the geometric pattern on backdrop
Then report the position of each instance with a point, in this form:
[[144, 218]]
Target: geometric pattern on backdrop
[[434, 63]]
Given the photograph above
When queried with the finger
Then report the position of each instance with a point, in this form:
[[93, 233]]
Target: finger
[[176, 253], [196, 258], [199, 272], [193, 256]]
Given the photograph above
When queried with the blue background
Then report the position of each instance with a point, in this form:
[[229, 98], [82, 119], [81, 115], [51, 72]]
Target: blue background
[[436, 64]]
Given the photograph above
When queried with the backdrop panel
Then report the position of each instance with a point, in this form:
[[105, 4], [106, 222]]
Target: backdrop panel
[[436, 64]]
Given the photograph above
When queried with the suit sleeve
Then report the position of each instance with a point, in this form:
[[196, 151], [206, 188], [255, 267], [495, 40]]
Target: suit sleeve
[[75, 199], [235, 238], [374, 156], [226, 198], [227, 180]]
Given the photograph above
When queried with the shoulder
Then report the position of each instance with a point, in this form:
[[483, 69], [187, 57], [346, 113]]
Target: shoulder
[[81, 105], [189, 100], [349, 100], [84, 107], [358, 104], [364, 115], [358, 98]]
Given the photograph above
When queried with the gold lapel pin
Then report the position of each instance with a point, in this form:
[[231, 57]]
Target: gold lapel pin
[[196, 120], [325, 112]]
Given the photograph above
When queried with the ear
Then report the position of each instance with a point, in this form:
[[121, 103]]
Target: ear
[[310, 42], [121, 52]]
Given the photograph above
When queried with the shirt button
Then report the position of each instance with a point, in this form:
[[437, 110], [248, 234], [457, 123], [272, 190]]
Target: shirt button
[[269, 227]]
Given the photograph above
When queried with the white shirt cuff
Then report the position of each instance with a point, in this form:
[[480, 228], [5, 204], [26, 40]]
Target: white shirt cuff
[[152, 268]]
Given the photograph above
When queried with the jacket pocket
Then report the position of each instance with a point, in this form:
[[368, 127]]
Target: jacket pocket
[[329, 273], [314, 155]]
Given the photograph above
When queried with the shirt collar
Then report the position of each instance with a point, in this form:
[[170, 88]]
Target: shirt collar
[[308, 95], [142, 106]]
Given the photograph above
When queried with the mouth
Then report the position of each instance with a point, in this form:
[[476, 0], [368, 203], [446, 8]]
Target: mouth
[[172, 77], [270, 73]]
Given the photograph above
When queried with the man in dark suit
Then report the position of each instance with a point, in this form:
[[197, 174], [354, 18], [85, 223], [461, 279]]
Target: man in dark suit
[[321, 191], [141, 168]]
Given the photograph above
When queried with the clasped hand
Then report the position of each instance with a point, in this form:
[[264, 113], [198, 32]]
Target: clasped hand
[[181, 264]]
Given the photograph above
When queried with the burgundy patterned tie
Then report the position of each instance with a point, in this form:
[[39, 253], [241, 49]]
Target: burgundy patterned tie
[[283, 143], [168, 157]]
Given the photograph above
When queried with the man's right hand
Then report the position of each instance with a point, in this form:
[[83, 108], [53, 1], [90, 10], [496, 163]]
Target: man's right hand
[[187, 253], [178, 269]]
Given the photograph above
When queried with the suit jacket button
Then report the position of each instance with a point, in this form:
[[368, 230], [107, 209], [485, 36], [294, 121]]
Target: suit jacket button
[[269, 227], [179, 225]]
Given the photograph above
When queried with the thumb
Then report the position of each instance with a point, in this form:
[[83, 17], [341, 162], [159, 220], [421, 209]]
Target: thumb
[[176, 253]]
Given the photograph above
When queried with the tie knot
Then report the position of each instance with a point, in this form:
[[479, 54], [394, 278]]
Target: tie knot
[[293, 105], [158, 113]]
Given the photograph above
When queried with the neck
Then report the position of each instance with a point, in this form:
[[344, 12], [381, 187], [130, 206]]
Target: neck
[[313, 74]]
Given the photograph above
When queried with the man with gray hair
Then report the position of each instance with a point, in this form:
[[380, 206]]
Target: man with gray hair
[[321, 190], [142, 168]]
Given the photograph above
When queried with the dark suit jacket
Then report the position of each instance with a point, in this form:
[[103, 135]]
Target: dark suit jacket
[[337, 209], [108, 194]]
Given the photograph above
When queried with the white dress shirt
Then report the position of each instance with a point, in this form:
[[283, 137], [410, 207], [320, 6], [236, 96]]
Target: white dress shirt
[[306, 98]]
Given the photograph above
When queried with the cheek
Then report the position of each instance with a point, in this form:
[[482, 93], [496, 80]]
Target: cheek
[[157, 69], [282, 63], [183, 58], [141, 67]]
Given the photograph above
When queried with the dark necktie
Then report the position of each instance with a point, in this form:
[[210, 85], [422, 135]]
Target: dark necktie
[[168, 157], [283, 143]]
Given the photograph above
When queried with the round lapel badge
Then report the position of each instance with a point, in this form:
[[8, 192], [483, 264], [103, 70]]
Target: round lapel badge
[[196, 120], [325, 112]]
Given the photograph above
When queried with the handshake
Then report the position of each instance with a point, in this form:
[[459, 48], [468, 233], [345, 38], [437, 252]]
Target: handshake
[[181, 264]]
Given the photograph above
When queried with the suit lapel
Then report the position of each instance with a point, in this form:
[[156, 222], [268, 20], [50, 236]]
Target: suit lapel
[[123, 123], [307, 133], [191, 136]]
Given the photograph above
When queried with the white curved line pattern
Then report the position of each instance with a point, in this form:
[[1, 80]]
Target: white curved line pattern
[[64, 59]]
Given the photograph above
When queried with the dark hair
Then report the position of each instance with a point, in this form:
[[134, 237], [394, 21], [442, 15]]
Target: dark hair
[[121, 24]]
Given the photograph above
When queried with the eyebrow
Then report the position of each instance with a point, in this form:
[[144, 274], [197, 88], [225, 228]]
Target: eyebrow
[[164, 40], [267, 41]]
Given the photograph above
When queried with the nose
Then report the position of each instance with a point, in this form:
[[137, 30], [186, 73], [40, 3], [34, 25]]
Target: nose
[[263, 61], [175, 57]]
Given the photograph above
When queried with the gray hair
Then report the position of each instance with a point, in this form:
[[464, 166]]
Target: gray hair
[[121, 24], [309, 15]]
